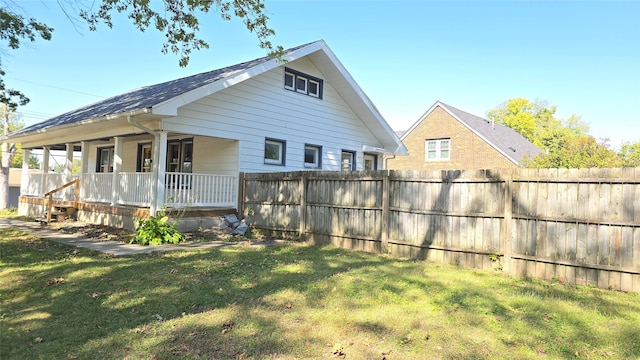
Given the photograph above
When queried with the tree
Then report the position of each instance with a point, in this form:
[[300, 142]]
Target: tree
[[578, 151], [565, 143], [178, 20], [630, 154], [75, 167], [16, 123]]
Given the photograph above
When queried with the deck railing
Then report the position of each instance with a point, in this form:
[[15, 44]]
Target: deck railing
[[135, 188], [39, 183], [187, 189], [96, 187]]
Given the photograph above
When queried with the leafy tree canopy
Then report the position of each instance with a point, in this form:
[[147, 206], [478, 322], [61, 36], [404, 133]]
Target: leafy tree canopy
[[565, 143], [630, 154], [178, 20]]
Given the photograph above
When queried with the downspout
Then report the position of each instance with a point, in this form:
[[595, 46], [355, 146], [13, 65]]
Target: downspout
[[386, 161], [155, 177]]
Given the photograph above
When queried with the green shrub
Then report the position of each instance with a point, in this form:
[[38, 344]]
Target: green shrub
[[156, 230]]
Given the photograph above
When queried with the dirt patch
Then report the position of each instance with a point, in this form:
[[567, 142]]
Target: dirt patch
[[104, 232], [91, 231]]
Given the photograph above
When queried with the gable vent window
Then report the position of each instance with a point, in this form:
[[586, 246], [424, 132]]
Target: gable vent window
[[302, 83]]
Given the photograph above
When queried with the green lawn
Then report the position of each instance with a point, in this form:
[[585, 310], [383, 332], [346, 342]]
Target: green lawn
[[292, 302]]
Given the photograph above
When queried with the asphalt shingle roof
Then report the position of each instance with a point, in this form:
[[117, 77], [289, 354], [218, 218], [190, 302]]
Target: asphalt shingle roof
[[145, 97], [502, 137]]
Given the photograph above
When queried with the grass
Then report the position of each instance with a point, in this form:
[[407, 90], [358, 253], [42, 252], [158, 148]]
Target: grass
[[292, 302]]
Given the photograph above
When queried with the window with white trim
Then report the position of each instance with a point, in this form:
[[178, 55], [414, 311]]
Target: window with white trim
[[313, 156], [302, 83], [437, 149], [274, 151], [348, 160], [104, 162], [370, 161]]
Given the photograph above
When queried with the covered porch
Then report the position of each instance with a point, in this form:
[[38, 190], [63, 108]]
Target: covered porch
[[142, 171]]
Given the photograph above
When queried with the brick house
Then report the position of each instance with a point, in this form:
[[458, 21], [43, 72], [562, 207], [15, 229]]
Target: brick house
[[446, 138]]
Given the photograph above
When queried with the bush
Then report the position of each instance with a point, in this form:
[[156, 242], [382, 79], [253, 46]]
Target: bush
[[156, 230]]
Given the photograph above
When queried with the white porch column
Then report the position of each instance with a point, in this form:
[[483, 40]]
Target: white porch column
[[45, 170], [159, 170], [24, 179], [84, 165], [117, 166], [68, 171], [84, 157]]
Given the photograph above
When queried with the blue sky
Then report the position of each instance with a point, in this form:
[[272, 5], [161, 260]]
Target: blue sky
[[583, 57]]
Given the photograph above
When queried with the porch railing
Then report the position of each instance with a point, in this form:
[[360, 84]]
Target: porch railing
[[187, 189], [41, 182], [97, 187], [134, 188]]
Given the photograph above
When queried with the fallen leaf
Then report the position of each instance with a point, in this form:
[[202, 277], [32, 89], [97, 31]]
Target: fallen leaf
[[288, 306], [71, 357]]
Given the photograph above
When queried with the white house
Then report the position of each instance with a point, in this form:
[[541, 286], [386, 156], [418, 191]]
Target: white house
[[183, 143]]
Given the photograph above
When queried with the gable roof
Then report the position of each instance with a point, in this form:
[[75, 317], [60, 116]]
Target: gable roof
[[504, 139], [165, 98], [145, 97]]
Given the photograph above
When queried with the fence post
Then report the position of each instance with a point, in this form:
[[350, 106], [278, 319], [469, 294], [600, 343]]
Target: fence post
[[508, 216], [302, 211], [241, 197], [385, 213]]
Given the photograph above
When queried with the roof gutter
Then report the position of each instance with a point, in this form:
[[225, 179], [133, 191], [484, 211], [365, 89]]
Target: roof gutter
[[130, 120]]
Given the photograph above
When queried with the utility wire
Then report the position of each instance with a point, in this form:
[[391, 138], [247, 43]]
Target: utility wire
[[57, 87]]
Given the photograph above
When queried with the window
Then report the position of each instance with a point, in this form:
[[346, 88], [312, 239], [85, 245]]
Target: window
[[438, 149], [180, 156], [302, 83], [313, 156], [274, 151], [144, 158], [348, 160], [104, 162], [370, 162]]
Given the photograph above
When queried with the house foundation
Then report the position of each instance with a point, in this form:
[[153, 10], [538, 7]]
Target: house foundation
[[125, 217]]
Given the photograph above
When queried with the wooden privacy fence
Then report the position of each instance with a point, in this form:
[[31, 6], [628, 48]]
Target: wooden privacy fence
[[580, 226]]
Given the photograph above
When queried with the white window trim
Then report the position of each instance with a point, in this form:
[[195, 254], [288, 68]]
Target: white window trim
[[352, 163], [314, 94], [439, 149], [293, 81], [281, 153], [375, 160], [307, 80], [318, 157]]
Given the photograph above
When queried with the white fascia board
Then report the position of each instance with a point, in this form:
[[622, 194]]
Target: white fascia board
[[90, 121], [170, 107], [479, 135], [400, 148], [420, 120]]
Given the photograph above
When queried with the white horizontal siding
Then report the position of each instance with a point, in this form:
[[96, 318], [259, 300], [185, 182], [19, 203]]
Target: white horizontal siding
[[215, 156], [260, 107]]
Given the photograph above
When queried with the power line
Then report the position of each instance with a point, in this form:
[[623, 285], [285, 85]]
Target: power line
[[57, 87]]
